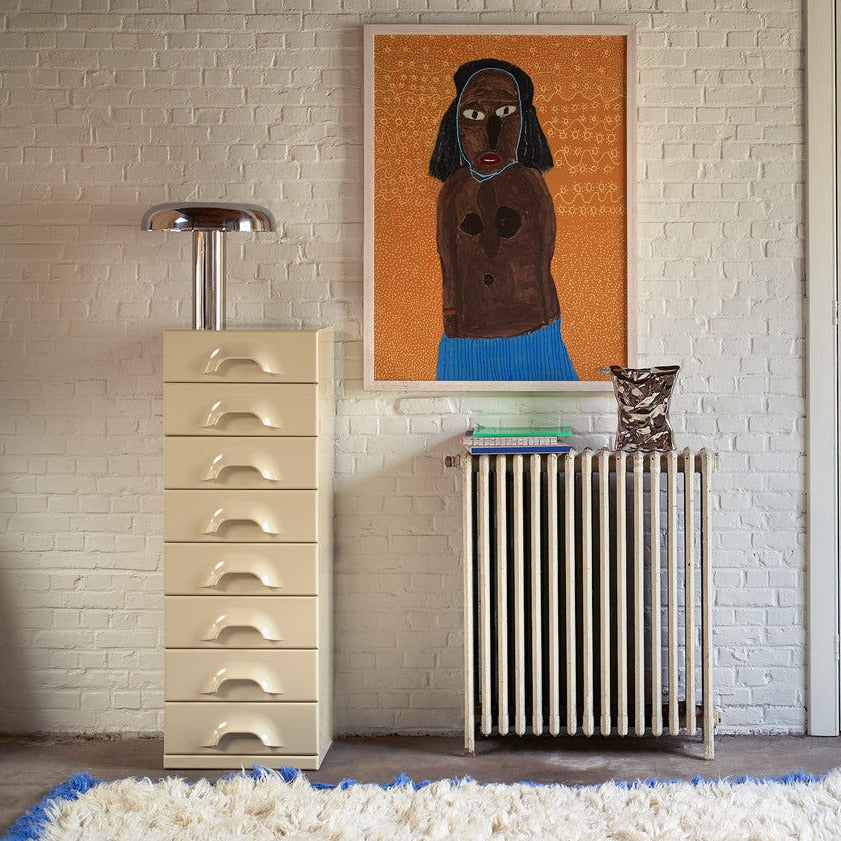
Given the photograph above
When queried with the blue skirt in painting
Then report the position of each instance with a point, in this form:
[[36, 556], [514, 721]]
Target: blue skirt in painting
[[541, 355]]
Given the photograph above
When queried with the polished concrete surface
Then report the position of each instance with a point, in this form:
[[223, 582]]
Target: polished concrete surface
[[30, 766]]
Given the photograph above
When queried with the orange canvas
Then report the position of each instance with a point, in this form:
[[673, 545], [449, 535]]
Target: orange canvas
[[580, 100]]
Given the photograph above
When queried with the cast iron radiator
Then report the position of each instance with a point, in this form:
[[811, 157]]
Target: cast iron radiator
[[583, 577]]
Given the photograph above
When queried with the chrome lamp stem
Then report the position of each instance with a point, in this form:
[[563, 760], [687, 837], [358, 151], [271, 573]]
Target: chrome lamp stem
[[208, 280]]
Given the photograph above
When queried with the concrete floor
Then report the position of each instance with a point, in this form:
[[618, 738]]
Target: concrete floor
[[30, 766]]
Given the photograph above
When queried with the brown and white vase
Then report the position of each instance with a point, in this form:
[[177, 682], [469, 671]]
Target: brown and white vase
[[643, 396]]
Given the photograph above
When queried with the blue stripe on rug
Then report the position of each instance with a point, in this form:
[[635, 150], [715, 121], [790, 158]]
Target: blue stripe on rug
[[30, 827]]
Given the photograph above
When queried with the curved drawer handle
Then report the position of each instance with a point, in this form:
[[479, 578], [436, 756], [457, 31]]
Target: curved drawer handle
[[220, 356], [221, 462], [263, 730], [243, 618], [243, 512], [219, 411], [256, 567], [252, 672]]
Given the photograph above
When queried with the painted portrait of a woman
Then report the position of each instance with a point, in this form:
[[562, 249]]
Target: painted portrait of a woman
[[499, 173], [496, 232]]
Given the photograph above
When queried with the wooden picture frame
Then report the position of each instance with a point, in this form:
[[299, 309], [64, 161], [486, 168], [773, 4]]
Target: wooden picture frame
[[432, 285]]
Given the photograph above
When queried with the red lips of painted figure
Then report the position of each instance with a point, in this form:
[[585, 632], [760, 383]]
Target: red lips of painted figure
[[489, 121]]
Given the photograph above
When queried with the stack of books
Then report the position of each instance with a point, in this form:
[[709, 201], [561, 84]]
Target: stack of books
[[488, 440]]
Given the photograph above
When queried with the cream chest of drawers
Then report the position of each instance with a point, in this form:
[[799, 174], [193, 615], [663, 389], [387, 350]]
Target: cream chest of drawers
[[248, 513]]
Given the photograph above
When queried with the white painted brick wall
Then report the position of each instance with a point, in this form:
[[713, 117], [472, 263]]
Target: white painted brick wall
[[110, 106]]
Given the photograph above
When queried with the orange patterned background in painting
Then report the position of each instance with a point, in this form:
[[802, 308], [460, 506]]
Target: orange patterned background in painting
[[579, 96]]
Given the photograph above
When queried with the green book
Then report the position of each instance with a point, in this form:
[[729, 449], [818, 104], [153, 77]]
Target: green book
[[521, 431]]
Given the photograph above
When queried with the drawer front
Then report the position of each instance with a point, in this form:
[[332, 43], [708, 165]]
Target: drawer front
[[225, 462], [240, 356], [240, 409], [240, 516], [241, 569], [265, 729], [240, 622], [242, 675]]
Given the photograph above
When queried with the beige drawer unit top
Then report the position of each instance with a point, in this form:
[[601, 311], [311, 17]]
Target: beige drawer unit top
[[242, 675], [241, 569], [240, 409], [236, 728], [248, 463], [237, 516], [240, 622], [241, 356]]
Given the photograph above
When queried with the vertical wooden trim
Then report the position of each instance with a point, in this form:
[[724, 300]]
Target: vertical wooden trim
[[822, 120]]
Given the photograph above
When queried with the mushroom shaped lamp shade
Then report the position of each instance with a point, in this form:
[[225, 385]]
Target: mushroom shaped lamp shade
[[208, 223]]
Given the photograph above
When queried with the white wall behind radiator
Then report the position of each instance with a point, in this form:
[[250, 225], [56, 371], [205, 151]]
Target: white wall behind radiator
[[110, 106]]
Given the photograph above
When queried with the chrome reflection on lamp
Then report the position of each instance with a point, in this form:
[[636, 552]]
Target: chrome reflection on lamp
[[208, 222]]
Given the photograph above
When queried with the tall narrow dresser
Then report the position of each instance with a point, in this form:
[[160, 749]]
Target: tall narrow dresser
[[248, 472]]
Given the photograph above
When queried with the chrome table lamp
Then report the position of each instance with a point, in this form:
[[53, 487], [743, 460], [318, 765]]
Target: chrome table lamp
[[208, 222]]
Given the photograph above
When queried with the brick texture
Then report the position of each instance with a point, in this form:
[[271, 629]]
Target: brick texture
[[110, 106]]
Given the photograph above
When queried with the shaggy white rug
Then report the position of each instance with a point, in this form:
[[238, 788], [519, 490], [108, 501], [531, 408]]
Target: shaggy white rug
[[263, 805]]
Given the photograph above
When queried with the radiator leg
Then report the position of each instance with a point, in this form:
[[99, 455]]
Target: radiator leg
[[709, 747]]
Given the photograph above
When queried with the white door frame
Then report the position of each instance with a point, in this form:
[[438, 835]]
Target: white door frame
[[823, 685]]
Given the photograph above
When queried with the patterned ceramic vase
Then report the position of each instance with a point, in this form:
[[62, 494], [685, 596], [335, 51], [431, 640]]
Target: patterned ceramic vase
[[643, 397]]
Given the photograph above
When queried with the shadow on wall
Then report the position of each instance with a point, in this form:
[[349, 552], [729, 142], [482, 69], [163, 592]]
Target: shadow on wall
[[18, 713]]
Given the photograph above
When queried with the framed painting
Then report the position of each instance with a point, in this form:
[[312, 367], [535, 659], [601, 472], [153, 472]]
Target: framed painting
[[499, 207]]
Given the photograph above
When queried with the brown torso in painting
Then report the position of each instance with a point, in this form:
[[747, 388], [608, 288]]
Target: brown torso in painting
[[495, 241]]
